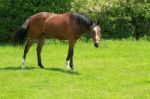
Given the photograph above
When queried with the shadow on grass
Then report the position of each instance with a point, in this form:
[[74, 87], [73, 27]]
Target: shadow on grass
[[70, 72], [17, 68], [147, 82]]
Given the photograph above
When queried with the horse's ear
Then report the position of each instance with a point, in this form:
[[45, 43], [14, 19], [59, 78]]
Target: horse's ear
[[98, 23], [91, 22]]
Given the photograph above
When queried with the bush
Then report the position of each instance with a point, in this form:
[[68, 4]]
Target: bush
[[126, 20], [14, 12]]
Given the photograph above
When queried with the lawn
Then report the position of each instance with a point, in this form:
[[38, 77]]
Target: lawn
[[116, 70]]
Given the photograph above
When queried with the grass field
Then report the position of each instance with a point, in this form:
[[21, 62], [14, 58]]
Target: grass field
[[116, 70]]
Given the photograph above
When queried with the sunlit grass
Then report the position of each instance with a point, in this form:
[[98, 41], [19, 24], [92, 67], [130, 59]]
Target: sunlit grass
[[116, 70]]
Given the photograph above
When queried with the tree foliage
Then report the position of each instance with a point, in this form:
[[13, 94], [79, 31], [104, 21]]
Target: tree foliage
[[14, 12], [118, 18], [126, 20]]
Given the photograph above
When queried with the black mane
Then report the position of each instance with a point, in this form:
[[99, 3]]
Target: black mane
[[83, 21]]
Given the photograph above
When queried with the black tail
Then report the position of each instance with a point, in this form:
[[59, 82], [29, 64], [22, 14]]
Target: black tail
[[20, 36]]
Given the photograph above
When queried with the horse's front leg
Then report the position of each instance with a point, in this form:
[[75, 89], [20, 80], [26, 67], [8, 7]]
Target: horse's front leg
[[69, 59]]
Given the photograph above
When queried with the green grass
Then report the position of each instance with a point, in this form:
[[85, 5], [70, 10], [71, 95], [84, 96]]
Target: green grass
[[116, 70]]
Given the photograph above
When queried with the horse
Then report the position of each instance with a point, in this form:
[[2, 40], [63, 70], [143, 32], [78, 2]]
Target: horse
[[66, 26]]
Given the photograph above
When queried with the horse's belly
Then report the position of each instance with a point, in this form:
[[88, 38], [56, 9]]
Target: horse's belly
[[55, 27], [58, 35]]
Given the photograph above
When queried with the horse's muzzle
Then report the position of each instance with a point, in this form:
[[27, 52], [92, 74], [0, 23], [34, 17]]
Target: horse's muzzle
[[96, 45]]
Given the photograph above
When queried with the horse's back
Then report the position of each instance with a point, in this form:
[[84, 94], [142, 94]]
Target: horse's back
[[38, 19], [36, 23], [59, 26], [43, 17]]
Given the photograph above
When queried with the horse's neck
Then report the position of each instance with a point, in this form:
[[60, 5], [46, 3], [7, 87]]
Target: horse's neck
[[86, 30]]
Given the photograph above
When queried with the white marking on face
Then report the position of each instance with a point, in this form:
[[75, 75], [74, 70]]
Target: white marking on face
[[23, 63], [96, 29]]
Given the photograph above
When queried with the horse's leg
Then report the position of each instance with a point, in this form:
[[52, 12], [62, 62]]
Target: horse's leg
[[39, 49], [70, 53], [69, 59], [27, 47]]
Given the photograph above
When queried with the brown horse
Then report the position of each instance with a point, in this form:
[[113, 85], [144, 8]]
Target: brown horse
[[67, 26]]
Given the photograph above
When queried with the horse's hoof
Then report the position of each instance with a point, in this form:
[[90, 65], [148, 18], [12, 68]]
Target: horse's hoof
[[70, 67], [22, 66], [41, 66]]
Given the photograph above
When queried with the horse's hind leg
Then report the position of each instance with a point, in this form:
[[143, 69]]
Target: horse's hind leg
[[39, 49], [27, 47]]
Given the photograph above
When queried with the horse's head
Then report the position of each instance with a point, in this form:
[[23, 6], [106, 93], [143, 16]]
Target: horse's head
[[96, 34]]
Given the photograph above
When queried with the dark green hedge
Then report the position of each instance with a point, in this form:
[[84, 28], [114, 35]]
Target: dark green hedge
[[14, 12], [126, 20], [119, 20]]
